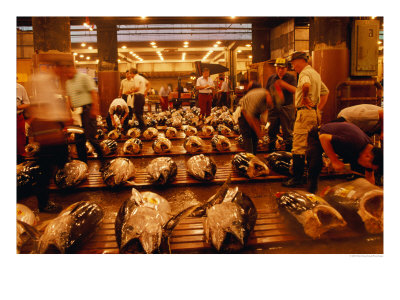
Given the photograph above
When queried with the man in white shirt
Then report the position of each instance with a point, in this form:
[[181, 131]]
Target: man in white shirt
[[205, 86], [164, 93], [223, 91], [120, 108], [140, 88], [126, 86]]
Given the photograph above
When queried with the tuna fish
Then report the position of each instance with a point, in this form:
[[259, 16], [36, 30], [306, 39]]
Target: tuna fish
[[118, 171], [162, 170], [249, 165], [193, 144], [133, 133], [162, 145], [71, 228], [27, 235], [150, 133], [201, 167], [27, 174], [90, 150], [132, 146], [190, 131], [171, 132], [207, 130], [114, 134], [360, 203], [280, 162], [312, 212], [99, 134], [32, 149], [222, 129], [144, 223], [72, 174], [108, 147], [230, 217], [220, 143]]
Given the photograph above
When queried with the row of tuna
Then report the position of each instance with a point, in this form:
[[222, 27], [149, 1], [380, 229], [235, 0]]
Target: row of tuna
[[144, 224]]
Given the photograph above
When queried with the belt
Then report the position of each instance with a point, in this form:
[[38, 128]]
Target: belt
[[205, 93], [305, 107]]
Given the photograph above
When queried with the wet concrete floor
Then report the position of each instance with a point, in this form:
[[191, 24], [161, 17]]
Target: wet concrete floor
[[262, 194]]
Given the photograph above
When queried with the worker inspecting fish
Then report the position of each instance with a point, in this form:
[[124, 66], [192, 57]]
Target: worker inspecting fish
[[118, 108]]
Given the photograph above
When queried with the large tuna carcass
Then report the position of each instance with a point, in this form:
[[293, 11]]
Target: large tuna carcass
[[162, 170], [133, 133], [193, 144], [108, 147], [150, 133], [280, 162], [201, 167], [72, 174], [249, 165], [171, 132], [220, 143], [118, 171], [133, 146], [162, 145], [27, 235]]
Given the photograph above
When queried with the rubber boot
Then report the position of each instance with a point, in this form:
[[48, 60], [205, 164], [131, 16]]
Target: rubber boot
[[298, 170]]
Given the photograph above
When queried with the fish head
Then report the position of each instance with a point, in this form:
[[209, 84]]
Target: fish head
[[371, 211], [56, 235], [257, 168]]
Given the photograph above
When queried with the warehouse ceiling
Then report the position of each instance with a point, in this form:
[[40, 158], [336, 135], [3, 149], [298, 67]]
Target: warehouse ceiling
[[166, 39]]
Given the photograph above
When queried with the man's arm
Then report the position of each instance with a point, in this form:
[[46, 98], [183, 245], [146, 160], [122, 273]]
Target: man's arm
[[286, 86], [326, 144], [253, 122], [323, 96], [369, 175]]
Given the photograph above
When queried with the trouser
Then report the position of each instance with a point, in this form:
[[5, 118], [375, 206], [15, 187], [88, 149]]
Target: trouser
[[125, 97], [305, 120], [138, 109], [283, 117], [110, 126], [89, 125], [164, 103], [48, 158], [250, 138], [223, 100], [314, 157], [21, 138], [205, 102]]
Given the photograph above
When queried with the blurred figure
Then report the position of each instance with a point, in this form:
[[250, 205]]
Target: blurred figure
[[164, 93], [82, 92], [140, 88], [120, 109], [205, 86], [22, 104], [223, 92], [50, 113]]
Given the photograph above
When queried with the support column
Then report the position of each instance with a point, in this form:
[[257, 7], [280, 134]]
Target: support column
[[51, 34], [231, 59], [330, 55], [261, 50], [108, 74]]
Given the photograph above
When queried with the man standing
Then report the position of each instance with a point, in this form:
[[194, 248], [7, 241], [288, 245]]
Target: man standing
[[310, 98], [253, 105], [205, 86], [140, 88], [120, 108], [223, 92], [346, 140], [281, 86], [22, 104], [82, 92], [126, 86], [164, 93]]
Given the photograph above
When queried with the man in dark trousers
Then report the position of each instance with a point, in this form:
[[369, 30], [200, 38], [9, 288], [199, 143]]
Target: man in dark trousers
[[252, 106], [140, 88], [344, 140], [281, 86]]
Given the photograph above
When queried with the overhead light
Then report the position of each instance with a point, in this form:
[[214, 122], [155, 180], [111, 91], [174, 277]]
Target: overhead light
[[233, 17], [185, 46], [97, 60], [81, 55], [131, 52], [75, 54], [152, 43], [211, 51], [123, 47], [83, 45], [219, 42], [91, 28], [239, 51], [87, 57], [373, 18], [90, 47], [154, 46], [379, 42], [76, 61], [143, 17], [250, 56], [119, 60], [186, 43], [215, 45], [248, 45], [183, 55]]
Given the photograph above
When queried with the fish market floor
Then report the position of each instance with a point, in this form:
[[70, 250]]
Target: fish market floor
[[262, 194]]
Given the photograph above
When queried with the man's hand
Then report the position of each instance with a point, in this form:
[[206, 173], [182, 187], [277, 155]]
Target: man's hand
[[337, 165], [306, 101]]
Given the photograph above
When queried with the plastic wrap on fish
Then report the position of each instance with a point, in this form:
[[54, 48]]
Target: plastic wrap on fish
[[132, 146], [236, 129], [133, 133], [161, 119], [280, 162], [222, 129], [162, 170], [74, 226], [220, 143], [27, 174], [90, 149], [162, 145], [108, 147], [171, 132], [149, 122], [193, 144], [240, 140], [249, 165], [144, 223], [72, 174], [99, 134], [114, 134], [27, 235], [360, 203], [263, 142], [229, 223], [207, 130], [312, 212], [201, 167], [118, 171], [150, 133], [32, 149], [190, 131]]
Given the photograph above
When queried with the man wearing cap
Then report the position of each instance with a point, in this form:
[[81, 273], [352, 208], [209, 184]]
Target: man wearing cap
[[205, 86], [310, 98], [281, 86]]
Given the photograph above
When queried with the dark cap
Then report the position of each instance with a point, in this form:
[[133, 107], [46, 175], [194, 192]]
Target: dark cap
[[299, 55]]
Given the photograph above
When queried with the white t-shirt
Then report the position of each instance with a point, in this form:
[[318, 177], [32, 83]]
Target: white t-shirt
[[140, 82], [224, 87], [115, 103], [317, 87], [201, 81], [164, 92], [22, 96], [126, 85]]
